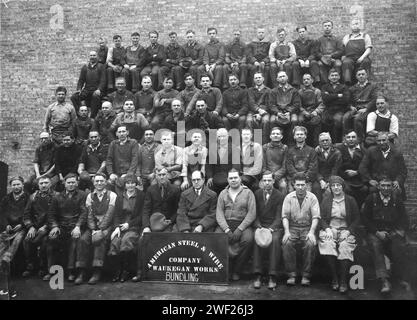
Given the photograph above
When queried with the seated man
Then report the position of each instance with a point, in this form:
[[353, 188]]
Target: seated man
[[221, 159], [91, 85], [193, 56], [197, 207], [146, 159], [268, 216], [190, 90], [258, 99], [358, 47], [235, 213], [275, 158], [251, 156], [258, 57], [12, 208], [235, 105], [302, 158], [134, 62], [170, 157], [203, 119], [329, 52], [35, 219], [155, 57], [103, 122], [213, 58], [171, 66], [162, 103], [311, 109], [352, 154], [329, 160], [336, 98], [300, 217], [43, 163], [306, 55], [92, 161], [119, 97], [100, 206], [195, 158], [67, 220], [134, 121], [235, 61], [171, 120], [384, 160], [382, 120], [386, 222], [285, 103], [82, 126], [116, 59], [282, 55], [144, 99], [212, 96]]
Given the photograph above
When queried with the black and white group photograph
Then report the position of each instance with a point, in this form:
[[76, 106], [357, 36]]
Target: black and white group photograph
[[232, 151]]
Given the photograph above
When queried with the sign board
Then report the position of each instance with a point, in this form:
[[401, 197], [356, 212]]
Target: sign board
[[193, 258]]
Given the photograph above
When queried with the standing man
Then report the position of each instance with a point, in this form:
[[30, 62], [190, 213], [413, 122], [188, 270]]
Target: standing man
[[300, 217], [235, 105], [116, 59], [146, 159], [306, 55], [258, 57], [103, 121], [60, 116], [155, 57], [171, 66], [136, 59], [358, 47], [329, 52], [236, 211], [213, 58], [91, 85], [236, 59], [119, 97], [193, 56]]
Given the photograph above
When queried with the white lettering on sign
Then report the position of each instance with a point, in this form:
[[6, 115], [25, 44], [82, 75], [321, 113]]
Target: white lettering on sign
[[57, 20]]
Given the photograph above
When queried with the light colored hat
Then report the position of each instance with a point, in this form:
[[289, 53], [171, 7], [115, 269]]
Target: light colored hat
[[263, 237]]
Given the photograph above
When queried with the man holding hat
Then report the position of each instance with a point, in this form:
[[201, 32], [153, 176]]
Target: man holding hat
[[268, 229]]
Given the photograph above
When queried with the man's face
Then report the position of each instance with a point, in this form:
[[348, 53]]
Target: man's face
[[268, 182], [201, 106], [93, 57], [258, 79], [382, 141], [325, 142], [337, 189], [190, 37], [212, 35], [122, 133], [276, 136], [327, 27], [307, 80], [83, 111], [71, 184], [44, 184], [67, 141], [176, 106], [300, 136], [355, 26], [17, 186], [205, 82], [94, 138], [60, 96], [117, 42], [149, 136], [120, 85], [168, 84], [334, 77], [162, 176], [234, 180], [153, 38], [233, 81], [362, 76], [197, 181], [300, 187], [166, 140], [101, 42], [106, 107], [189, 82], [129, 107], [381, 105], [99, 183], [302, 33], [236, 35], [196, 139], [260, 34], [146, 84], [173, 38], [351, 139], [386, 187], [135, 40], [282, 78], [246, 136], [222, 137], [44, 138], [281, 36], [130, 186]]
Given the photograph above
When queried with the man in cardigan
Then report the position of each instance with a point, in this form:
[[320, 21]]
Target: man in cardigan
[[197, 207], [268, 208]]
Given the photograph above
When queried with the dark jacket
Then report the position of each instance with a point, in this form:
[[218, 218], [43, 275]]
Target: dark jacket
[[11, 211], [100, 214], [102, 124], [350, 163], [302, 160], [332, 101], [268, 215], [67, 159], [68, 212], [37, 208], [352, 212], [134, 219], [92, 78], [194, 211], [204, 122], [330, 166]]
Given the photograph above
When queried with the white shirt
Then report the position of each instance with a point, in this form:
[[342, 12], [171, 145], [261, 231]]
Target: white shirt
[[371, 120]]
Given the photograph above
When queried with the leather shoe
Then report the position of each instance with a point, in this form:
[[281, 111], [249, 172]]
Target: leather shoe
[[235, 277], [47, 277], [124, 276], [95, 278], [305, 281], [80, 279], [335, 285], [272, 284], [385, 286], [137, 278], [291, 281], [257, 282], [343, 288]]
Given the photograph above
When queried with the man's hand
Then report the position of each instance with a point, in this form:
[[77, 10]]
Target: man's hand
[[76, 233], [41, 230], [381, 235], [210, 182], [363, 110], [54, 233], [323, 184], [115, 233], [359, 61], [307, 63], [198, 229], [229, 116], [207, 68], [97, 93], [286, 237], [373, 183], [256, 64], [311, 237], [124, 226], [257, 117], [17, 228], [146, 230], [230, 235], [31, 233], [215, 113], [185, 185], [113, 177], [351, 173], [344, 234], [329, 234], [237, 234]]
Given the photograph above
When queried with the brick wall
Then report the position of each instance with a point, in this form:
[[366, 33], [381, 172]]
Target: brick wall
[[44, 43]]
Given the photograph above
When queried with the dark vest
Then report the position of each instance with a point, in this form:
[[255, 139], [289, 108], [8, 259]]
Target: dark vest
[[382, 124], [355, 48], [282, 52], [99, 208]]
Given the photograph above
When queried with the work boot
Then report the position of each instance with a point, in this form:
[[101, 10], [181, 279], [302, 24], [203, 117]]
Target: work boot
[[385, 286], [272, 284], [71, 276], [96, 277], [257, 282], [47, 277], [235, 276], [138, 277], [291, 281], [305, 281], [125, 276], [116, 276], [80, 278]]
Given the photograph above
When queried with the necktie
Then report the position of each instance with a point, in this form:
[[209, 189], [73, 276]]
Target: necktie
[[162, 192], [267, 195]]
